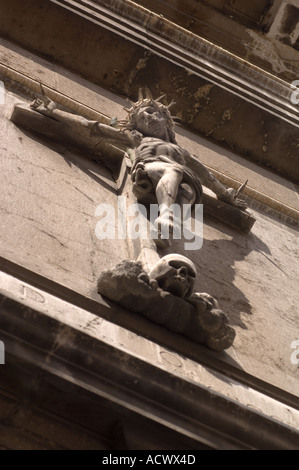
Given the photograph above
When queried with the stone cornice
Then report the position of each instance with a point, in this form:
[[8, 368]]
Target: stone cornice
[[86, 350], [121, 46], [195, 54]]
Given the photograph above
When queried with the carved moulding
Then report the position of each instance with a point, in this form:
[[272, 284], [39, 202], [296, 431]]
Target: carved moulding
[[164, 296]]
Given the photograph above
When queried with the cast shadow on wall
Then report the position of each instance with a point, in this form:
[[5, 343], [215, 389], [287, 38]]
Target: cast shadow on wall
[[216, 266]]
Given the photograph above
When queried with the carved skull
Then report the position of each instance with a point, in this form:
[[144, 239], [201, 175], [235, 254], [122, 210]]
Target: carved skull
[[175, 274]]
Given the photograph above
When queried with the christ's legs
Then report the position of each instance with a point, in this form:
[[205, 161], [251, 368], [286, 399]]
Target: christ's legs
[[166, 179]]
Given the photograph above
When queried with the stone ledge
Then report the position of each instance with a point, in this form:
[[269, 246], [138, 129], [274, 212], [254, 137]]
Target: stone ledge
[[226, 363], [50, 333]]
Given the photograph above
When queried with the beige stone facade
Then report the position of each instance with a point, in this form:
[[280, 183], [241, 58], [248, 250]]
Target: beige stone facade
[[81, 372]]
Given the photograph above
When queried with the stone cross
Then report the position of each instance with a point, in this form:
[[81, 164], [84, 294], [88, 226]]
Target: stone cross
[[161, 172]]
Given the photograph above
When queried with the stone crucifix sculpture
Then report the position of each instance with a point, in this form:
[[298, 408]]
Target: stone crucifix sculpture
[[159, 173]]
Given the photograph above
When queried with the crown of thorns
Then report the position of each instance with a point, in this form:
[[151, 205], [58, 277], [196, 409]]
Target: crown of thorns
[[148, 100]]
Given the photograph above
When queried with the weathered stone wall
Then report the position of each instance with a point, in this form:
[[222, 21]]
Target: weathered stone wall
[[254, 278], [48, 226], [49, 195]]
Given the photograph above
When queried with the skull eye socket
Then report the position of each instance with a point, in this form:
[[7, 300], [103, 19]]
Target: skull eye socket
[[177, 264]]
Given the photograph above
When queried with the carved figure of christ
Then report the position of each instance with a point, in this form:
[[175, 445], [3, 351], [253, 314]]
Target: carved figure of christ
[[160, 165]]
